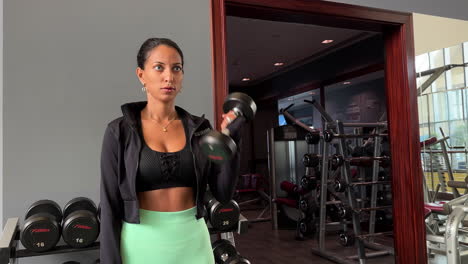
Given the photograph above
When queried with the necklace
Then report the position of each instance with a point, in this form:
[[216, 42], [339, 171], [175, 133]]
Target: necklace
[[164, 127]]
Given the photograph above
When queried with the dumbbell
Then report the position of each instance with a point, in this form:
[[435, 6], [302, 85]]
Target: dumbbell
[[311, 160], [328, 135], [308, 183], [306, 226], [41, 229], [222, 217], [225, 253], [80, 224], [219, 146], [339, 186], [312, 138], [343, 211], [384, 198], [346, 239]]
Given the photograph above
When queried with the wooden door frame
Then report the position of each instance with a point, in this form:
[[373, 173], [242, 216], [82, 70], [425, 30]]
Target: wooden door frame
[[400, 79]]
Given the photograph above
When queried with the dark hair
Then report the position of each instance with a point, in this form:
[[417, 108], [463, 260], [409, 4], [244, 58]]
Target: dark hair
[[152, 43]]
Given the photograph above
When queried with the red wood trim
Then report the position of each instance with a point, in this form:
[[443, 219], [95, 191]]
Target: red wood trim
[[219, 65], [402, 111], [326, 8], [410, 246]]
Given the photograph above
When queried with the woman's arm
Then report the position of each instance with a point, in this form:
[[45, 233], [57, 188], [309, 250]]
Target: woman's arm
[[222, 178], [111, 202]]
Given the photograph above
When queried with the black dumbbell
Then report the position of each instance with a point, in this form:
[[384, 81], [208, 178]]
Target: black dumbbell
[[312, 138], [306, 226], [80, 224], [41, 229], [225, 253], [222, 217], [303, 205], [219, 146], [346, 239], [384, 198], [343, 211], [308, 183], [310, 160], [339, 186]]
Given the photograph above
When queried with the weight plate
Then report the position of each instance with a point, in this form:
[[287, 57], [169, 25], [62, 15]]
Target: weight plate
[[224, 216], [40, 232], [222, 250], [218, 147], [45, 206], [79, 203], [80, 229], [242, 102]]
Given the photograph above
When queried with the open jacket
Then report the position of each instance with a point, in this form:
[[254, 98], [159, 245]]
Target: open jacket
[[119, 164]]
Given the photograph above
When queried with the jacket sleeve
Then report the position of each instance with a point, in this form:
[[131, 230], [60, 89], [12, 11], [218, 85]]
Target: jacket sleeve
[[222, 178], [110, 200]]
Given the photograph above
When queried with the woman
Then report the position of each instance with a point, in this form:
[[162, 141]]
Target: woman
[[153, 174]]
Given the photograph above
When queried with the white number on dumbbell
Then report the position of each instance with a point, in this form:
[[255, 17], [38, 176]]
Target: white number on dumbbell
[[40, 244], [225, 223], [79, 240]]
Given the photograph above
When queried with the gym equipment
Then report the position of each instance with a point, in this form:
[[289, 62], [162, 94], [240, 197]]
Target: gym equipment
[[339, 186], [354, 203], [312, 138], [346, 239], [222, 217], [306, 226], [41, 229], [338, 160], [225, 253], [308, 182], [328, 135], [311, 160], [80, 224], [219, 146]]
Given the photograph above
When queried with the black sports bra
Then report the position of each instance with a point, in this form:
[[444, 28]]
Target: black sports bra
[[160, 170]]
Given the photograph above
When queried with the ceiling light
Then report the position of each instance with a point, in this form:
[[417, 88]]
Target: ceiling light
[[290, 99], [279, 64], [312, 93], [347, 83], [245, 79], [327, 41]]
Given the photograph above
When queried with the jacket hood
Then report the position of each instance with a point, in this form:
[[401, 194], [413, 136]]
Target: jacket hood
[[131, 113]]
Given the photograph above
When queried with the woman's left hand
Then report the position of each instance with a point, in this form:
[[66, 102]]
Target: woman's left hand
[[227, 118]]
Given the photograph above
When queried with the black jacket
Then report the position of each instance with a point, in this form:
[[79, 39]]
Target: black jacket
[[119, 163]]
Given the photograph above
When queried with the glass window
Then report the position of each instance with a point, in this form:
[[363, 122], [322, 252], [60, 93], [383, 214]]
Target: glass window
[[455, 103], [437, 60], [455, 77], [440, 106], [422, 62], [457, 133], [423, 132], [423, 110], [435, 129]]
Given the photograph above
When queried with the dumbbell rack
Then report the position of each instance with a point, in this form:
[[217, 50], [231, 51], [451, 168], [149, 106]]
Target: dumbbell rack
[[338, 127], [9, 252]]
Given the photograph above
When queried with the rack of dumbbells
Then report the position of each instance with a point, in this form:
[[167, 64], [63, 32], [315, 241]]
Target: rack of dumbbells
[[78, 225], [345, 194], [44, 223]]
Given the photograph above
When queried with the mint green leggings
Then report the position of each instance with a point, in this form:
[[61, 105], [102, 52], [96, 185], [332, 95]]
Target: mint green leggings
[[166, 238]]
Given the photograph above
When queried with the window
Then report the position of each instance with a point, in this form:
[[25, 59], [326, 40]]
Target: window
[[455, 76]]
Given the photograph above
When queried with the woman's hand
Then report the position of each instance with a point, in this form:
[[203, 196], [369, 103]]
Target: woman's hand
[[227, 118]]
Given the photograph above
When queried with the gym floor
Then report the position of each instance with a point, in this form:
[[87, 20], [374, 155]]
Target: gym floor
[[262, 245]]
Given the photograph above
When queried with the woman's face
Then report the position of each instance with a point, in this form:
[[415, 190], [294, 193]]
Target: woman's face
[[163, 73]]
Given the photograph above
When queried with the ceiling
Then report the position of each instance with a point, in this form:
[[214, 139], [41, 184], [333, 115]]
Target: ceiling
[[254, 46]]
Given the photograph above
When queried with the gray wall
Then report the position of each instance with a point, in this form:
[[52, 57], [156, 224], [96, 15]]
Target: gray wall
[[452, 9], [69, 65]]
